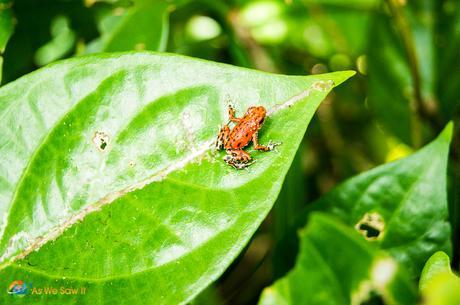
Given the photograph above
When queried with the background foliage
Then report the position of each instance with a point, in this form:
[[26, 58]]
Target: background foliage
[[407, 89]]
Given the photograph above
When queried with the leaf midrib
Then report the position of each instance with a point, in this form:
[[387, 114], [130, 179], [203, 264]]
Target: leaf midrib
[[160, 175]]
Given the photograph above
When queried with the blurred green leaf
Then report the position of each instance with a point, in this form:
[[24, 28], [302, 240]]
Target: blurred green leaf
[[6, 28], [108, 156], [438, 285], [226, 47], [322, 28], [337, 267], [402, 65], [6, 23], [358, 4], [62, 42], [403, 202], [201, 28], [33, 30], [448, 40], [144, 26]]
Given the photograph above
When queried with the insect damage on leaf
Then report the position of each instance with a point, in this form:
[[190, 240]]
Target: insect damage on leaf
[[101, 140], [371, 226], [375, 288]]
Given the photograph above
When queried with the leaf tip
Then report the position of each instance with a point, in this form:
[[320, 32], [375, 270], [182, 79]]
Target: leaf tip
[[350, 73], [448, 131], [438, 263], [340, 76]]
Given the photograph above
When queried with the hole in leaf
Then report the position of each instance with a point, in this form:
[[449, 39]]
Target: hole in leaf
[[370, 231], [371, 226], [101, 140], [374, 299]]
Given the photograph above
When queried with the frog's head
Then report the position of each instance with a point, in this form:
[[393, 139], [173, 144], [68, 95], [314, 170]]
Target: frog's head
[[257, 113]]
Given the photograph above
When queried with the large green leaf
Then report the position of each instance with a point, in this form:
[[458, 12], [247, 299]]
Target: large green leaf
[[150, 216], [337, 267], [406, 201], [438, 284]]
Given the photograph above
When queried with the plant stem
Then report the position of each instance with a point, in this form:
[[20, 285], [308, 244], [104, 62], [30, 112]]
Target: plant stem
[[417, 106]]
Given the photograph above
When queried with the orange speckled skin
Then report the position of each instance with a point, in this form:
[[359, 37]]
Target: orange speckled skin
[[241, 135], [245, 131]]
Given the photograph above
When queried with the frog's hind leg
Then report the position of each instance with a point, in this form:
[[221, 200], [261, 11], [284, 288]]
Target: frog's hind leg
[[271, 145], [237, 158], [222, 137], [238, 155]]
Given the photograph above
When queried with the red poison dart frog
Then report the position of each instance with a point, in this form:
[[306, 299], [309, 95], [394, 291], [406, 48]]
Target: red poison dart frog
[[245, 131]]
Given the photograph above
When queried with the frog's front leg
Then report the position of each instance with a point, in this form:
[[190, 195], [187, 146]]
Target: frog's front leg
[[271, 145], [231, 114], [223, 137], [238, 158]]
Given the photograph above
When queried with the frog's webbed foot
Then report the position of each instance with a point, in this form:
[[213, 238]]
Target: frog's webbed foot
[[228, 101], [231, 113], [244, 165], [272, 145], [230, 105]]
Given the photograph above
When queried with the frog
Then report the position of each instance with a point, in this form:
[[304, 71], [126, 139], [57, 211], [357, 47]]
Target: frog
[[243, 133]]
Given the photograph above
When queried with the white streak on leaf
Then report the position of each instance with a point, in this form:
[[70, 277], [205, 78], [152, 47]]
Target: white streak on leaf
[[196, 154]]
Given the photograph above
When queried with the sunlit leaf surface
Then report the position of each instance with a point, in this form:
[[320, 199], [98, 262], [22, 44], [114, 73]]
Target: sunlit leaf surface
[[108, 182]]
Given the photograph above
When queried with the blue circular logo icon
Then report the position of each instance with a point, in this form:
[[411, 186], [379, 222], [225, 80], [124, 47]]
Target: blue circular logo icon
[[18, 288]]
